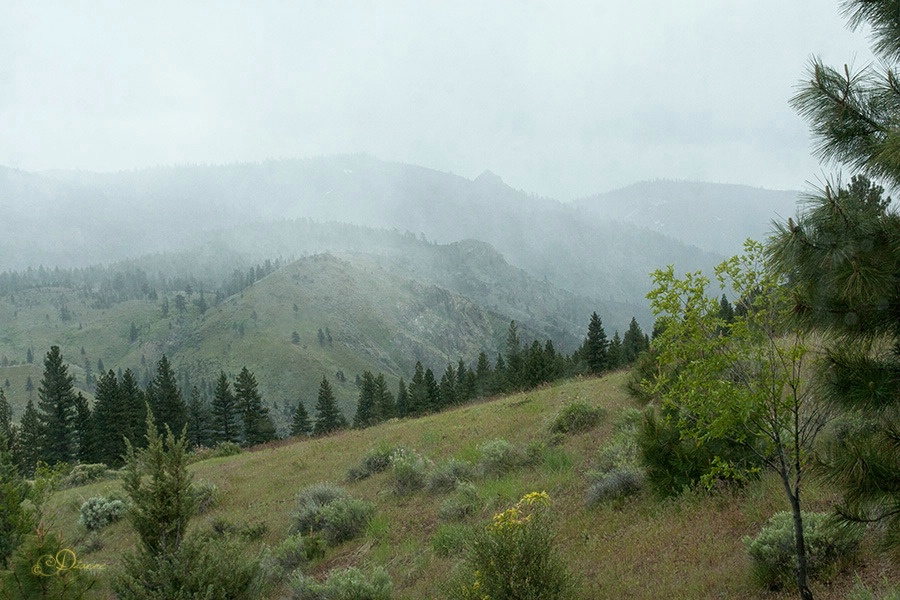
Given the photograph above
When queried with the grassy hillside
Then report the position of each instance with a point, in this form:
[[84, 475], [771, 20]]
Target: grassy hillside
[[689, 547]]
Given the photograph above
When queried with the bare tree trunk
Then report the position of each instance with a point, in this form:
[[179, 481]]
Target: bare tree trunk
[[800, 542]]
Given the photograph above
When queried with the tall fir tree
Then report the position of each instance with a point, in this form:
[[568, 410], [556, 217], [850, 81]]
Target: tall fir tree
[[5, 418], [199, 431], [133, 410], [384, 399], [483, 375], [635, 341], [447, 388], [432, 391], [225, 414], [109, 421], [29, 440], [328, 416], [515, 362], [615, 355], [165, 399], [366, 413], [56, 410], [257, 424], [418, 392], [83, 430], [300, 424], [402, 406], [594, 351]]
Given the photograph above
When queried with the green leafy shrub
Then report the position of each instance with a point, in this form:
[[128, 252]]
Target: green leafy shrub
[[515, 557], [408, 470], [206, 495], [84, 474], [99, 511], [576, 417], [329, 510], [498, 457], [375, 461], [774, 555], [223, 449], [463, 503], [344, 584], [444, 477]]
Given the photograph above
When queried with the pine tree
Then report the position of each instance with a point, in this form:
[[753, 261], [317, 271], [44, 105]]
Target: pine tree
[[483, 375], [432, 391], [109, 421], [28, 448], [616, 353], [365, 405], [257, 425], [636, 342], [328, 415], [56, 410], [225, 414], [5, 419], [384, 399], [447, 388], [199, 431], [418, 392], [402, 406], [15, 519], [842, 257], [594, 351], [83, 430], [300, 425], [514, 360], [133, 411], [165, 399]]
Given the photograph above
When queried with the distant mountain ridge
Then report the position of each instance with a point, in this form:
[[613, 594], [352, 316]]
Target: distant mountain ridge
[[713, 216]]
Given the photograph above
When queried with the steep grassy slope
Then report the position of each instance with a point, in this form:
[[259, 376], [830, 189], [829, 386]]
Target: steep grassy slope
[[684, 548]]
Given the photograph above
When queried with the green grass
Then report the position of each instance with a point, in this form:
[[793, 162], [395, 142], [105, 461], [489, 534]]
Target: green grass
[[689, 547]]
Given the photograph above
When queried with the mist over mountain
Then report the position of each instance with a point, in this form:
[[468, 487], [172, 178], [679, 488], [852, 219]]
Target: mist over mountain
[[712, 216], [77, 218]]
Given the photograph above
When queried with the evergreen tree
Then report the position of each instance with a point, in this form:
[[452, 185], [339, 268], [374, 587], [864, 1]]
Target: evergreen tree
[[843, 258], [5, 418], [615, 355], [535, 368], [29, 355], [258, 426], [418, 392], [56, 410], [225, 426], [635, 341], [447, 388], [328, 415], [199, 431], [499, 381], [514, 361], [384, 400], [83, 430], [28, 448], [365, 405], [133, 411], [402, 406], [483, 375], [15, 519], [594, 351], [109, 421], [165, 399], [300, 424], [432, 391]]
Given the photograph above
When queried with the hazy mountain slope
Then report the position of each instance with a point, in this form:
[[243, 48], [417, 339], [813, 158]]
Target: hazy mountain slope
[[712, 216], [129, 214]]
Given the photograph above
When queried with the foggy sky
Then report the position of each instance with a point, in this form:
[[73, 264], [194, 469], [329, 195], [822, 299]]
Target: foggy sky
[[560, 98]]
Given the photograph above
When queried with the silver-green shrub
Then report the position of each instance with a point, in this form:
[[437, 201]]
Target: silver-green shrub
[[344, 584], [99, 511]]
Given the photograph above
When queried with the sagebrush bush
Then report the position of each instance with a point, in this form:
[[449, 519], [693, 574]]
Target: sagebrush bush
[[206, 495], [294, 551], [461, 504], [375, 461], [331, 511], [408, 470], [773, 550], [444, 477], [83, 474], [344, 584], [99, 511], [576, 417], [615, 485], [450, 539], [515, 557], [498, 457]]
